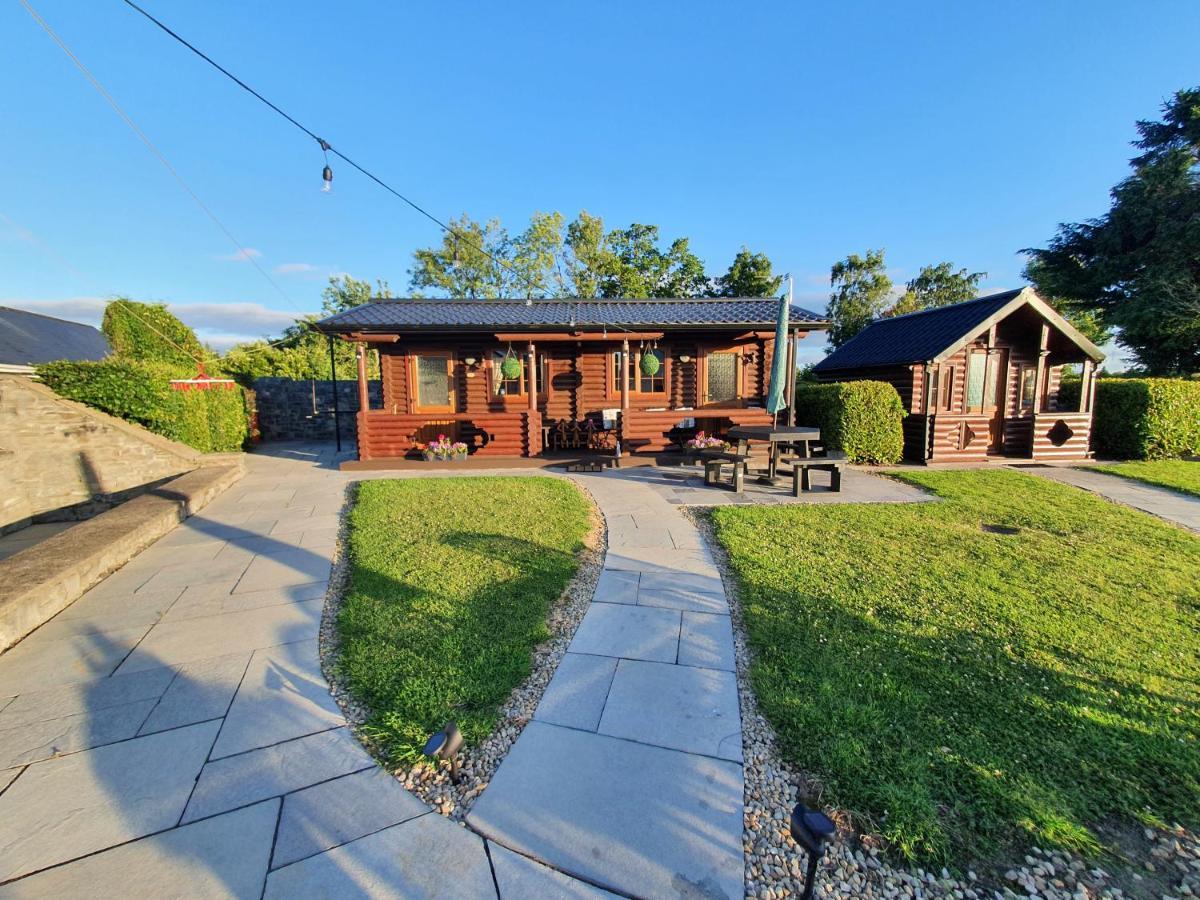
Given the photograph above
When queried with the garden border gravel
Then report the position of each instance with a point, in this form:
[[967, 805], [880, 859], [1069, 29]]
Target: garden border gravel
[[1162, 862], [478, 764]]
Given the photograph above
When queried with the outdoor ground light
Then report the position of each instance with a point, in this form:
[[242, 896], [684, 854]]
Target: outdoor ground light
[[445, 745], [811, 829]]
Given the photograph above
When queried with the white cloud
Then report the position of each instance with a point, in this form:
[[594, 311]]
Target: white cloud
[[297, 268], [244, 255], [220, 324]]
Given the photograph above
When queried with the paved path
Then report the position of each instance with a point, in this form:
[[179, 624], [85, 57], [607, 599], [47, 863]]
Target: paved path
[[171, 733], [630, 774], [1173, 506]]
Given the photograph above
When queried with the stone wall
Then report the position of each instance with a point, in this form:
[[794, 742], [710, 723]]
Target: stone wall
[[302, 409], [63, 460]]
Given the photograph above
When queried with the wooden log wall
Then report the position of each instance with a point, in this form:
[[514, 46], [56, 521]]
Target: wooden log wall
[[382, 434], [638, 425], [1059, 435]]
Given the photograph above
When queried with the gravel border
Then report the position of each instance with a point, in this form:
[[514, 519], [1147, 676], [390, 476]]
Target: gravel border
[[432, 783], [1158, 862]]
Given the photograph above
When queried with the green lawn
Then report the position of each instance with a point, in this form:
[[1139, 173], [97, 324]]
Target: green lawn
[[1179, 474], [451, 582], [965, 692]]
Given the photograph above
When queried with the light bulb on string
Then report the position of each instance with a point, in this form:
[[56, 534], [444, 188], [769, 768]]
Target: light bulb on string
[[326, 173]]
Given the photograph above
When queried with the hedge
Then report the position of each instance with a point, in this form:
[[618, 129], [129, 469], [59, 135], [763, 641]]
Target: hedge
[[1142, 418], [861, 418], [140, 392]]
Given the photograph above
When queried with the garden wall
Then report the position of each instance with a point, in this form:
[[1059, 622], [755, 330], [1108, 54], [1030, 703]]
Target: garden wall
[[61, 460], [302, 409]]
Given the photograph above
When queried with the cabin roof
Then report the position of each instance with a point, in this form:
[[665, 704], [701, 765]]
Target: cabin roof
[[487, 315], [28, 338], [929, 335]]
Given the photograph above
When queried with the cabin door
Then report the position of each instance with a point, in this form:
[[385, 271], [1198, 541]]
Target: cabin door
[[995, 392]]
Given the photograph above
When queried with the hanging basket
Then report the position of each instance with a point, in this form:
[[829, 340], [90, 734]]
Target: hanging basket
[[650, 365], [510, 368]]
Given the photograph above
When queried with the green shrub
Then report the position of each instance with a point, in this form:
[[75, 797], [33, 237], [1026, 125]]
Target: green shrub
[[861, 418], [1142, 418], [150, 333], [140, 392]]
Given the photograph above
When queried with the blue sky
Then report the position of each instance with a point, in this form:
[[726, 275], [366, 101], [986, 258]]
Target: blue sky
[[959, 131]]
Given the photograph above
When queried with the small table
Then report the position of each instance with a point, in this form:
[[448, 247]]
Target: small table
[[775, 435]]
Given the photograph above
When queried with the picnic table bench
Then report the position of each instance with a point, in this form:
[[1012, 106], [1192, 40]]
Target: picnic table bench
[[832, 462], [714, 463]]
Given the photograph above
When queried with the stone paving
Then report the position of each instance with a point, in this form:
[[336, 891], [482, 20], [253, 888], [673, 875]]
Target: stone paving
[[630, 775], [171, 734], [1173, 506]]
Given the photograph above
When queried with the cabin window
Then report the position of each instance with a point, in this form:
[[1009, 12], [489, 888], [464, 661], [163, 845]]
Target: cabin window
[[934, 378], [433, 379], [976, 364], [640, 382], [1028, 387], [948, 388], [515, 387], [721, 378]]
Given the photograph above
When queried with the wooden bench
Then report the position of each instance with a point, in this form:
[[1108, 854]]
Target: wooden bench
[[832, 463], [714, 463]]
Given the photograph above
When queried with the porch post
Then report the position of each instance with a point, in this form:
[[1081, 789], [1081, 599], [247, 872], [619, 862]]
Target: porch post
[[531, 374], [1039, 390], [364, 400], [625, 374]]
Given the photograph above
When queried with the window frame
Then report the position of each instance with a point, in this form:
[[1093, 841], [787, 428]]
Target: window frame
[[451, 363], [635, 373], [738, 377]]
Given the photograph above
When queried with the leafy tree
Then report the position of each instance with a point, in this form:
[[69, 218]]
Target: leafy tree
[[1137, 267], [749, 275], [344, 292], [859, 294], [635, 266], [150, 333], [586, 255], [938, 285], [481, 260]]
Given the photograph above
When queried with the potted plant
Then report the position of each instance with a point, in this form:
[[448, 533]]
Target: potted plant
[[702, 442], [444, 450]]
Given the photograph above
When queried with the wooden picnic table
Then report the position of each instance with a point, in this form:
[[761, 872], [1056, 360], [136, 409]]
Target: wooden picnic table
[[776, 435]]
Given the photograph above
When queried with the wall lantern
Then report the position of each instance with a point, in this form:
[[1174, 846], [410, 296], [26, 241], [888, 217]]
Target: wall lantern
[[811, 829], [684, 358], [445, 745], [470, 360]]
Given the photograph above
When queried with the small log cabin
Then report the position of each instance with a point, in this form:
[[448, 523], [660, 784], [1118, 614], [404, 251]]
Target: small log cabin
[[443, 370], [978, 379]]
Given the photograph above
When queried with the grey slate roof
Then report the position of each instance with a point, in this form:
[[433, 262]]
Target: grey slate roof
[[28, 338], [483, 315], [915, 337]]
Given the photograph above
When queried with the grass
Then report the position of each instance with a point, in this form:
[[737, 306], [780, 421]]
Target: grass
[[1178, 474], [451, 582], [965, 692]]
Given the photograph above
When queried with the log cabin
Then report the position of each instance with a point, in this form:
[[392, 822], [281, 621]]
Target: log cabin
[[525, 377], [979, 379]]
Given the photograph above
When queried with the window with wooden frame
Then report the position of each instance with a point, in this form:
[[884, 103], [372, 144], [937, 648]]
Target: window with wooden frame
[[432, 378], [722, 376], [639, 381], [514, 387], [976, 369], [1028, 388], [948, 388], [935, 377]]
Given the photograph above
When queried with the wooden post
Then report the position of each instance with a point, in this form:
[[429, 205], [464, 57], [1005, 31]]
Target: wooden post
[[531, 374], [1039, 389], [364, 398], [625, 374]]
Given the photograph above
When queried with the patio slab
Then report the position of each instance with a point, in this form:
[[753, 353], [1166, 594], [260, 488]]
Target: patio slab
[[637, 819], [336, 812], [698, 593], [576, 694], [520, 878], [68, 807], [678, 707], [201, 690], [706, 640], [632, 632], [617, 587], [423, 857]]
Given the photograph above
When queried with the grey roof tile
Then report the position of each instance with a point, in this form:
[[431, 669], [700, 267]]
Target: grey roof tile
[[28, 338], [491, 314], [916, 337]]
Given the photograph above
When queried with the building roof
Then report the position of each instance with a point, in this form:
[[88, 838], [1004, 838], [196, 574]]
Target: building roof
[[488, 315], [28, 338], [932, 334]]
